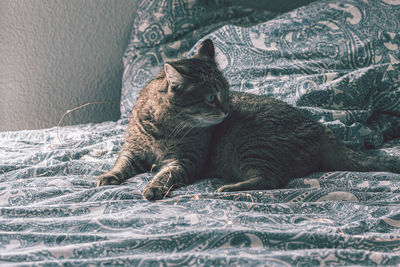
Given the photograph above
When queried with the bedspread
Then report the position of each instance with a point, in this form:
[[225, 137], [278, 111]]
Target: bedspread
[[338, 61], [52, 212]]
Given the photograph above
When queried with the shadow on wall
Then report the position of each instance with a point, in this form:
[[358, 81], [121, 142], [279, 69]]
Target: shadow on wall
[[57, 55]]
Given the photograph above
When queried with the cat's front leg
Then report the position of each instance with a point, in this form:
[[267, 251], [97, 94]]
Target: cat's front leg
[[127, 165], [172, 174]]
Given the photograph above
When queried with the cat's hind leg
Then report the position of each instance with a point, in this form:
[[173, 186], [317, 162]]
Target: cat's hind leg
[[254, 182], [251, 184]]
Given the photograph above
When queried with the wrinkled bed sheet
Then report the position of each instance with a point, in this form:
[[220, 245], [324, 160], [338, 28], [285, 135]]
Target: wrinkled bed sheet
[[52, 212], [337, 60]]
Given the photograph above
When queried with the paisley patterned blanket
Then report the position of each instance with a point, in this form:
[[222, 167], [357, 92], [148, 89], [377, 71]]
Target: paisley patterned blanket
[[336, 60]]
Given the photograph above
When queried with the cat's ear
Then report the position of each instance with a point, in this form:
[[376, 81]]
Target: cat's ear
[[206, 50], [173, 76]]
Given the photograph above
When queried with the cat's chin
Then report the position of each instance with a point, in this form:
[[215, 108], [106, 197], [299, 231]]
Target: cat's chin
[[202, 122]]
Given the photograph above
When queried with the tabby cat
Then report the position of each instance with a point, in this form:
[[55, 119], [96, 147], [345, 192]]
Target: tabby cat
[[186, 124]]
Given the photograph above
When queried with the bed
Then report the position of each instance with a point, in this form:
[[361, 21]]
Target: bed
[[338, 61]]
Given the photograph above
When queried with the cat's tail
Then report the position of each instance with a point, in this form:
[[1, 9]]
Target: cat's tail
[[337, 157]]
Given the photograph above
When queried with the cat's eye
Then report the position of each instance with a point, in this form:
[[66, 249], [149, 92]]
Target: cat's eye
[[210, 98]]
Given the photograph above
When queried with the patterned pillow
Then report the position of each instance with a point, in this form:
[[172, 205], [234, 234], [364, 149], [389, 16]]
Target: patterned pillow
[[165, 30], [338, 60]]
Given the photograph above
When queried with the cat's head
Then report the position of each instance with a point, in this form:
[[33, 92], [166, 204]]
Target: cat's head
[[197, 89]]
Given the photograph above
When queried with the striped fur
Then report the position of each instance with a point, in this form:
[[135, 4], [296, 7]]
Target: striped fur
[[180, 129]]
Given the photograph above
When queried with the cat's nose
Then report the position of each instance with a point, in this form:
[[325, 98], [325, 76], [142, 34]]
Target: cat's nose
[[225, 108]]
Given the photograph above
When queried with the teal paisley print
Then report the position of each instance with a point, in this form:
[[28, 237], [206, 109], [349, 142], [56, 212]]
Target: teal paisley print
[[338, 61]]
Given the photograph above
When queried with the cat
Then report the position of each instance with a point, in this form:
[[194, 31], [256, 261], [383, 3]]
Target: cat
[[187, 125]]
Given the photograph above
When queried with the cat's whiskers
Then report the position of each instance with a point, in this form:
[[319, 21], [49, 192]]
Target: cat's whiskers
[[179, 113], [187, 132], [178, 129], [177, 143]]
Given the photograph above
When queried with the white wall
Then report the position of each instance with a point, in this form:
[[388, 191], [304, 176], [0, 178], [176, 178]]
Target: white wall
[[59, 54]]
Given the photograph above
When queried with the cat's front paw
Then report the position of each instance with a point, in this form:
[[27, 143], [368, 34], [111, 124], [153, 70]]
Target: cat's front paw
[[107, 179], [155, 192]]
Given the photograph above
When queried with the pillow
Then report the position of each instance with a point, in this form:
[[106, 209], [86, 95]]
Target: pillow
[[166, 30], [336, 60]]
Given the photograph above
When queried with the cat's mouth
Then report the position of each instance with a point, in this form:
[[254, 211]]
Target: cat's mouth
[[210, 120]]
